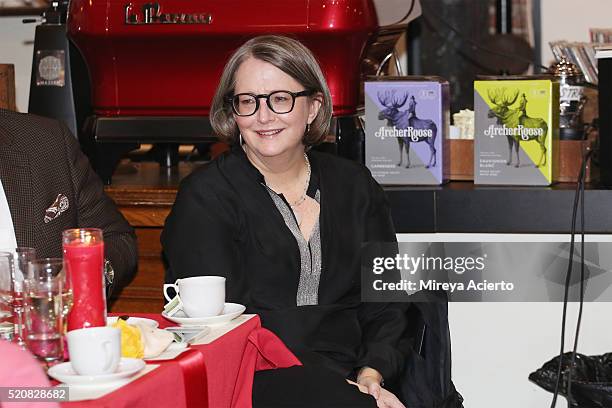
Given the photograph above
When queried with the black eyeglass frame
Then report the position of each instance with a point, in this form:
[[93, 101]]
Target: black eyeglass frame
[[231, 98]]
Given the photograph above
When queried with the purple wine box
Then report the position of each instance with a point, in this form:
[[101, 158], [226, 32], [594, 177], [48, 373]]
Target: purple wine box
[[406, 130]]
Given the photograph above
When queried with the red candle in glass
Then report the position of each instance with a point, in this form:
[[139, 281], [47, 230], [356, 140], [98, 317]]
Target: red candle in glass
[[84, 258]]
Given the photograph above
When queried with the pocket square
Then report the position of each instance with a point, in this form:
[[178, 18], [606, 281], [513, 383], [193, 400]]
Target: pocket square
[[60, 205]]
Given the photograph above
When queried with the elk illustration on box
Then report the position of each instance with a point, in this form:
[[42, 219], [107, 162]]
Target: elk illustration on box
[[409, 115], [516, 131], [409, 126], [515, 123]]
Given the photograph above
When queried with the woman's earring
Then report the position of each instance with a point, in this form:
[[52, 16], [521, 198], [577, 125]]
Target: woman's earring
[[240, 141], [307, 128]]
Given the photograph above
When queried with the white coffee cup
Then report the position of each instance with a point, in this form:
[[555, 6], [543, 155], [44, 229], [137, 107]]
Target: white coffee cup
[[202, 296], [94, 350]]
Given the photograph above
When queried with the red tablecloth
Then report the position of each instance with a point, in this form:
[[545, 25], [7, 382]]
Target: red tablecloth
[[217, 375]]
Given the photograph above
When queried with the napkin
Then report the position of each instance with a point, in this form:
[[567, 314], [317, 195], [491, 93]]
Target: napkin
[[156, 341], [140, 340], [264, 351]]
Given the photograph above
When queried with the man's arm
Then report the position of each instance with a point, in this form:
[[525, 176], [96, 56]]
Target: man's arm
[[97, 210]]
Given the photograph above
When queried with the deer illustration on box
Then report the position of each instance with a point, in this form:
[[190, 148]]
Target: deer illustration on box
[[516, 125], [408, 126]]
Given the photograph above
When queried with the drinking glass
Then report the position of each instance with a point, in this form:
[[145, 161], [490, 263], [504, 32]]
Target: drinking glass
[[6, 283], [44, 300], [21, 257]]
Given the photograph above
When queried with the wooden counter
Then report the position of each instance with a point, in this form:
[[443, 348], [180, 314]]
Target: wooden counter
[[144, 194]]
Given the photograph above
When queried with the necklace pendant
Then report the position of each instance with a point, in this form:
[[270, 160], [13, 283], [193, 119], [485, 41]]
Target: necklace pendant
[[302, 198], [299, 201]]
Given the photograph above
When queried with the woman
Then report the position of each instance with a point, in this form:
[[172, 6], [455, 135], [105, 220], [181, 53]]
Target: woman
[[284, 224]]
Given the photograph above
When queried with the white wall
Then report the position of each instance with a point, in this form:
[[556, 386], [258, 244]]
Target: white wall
[[16, 47], [495, 346], [571, 20]]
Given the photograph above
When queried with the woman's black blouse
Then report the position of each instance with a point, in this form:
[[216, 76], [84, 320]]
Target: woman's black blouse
[[225, 223]]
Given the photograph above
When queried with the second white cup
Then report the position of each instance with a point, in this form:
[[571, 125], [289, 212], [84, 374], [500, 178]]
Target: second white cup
[[94, 350], [202, 296]]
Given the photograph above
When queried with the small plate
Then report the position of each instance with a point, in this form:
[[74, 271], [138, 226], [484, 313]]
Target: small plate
[[133, 320], [230, 312], [172, 352], [65, 373]]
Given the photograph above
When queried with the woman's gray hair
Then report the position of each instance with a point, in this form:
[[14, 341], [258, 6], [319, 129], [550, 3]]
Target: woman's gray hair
[[291, 57]]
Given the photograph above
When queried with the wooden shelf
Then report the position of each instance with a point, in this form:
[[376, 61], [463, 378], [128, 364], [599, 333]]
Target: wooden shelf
[[22, 11]]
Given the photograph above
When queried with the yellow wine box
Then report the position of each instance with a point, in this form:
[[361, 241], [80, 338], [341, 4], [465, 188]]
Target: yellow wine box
[[516, 130]]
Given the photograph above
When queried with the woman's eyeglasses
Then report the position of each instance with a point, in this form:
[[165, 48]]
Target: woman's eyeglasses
[[246, 104]]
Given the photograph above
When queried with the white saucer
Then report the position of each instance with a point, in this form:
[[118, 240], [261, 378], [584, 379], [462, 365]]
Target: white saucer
[[173, 351], [65, 373], [133, 320], [230, 312]]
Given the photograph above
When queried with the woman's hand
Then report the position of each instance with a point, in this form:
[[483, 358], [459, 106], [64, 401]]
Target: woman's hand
[[368, 382]]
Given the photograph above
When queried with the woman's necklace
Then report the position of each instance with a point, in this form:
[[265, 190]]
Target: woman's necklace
[[302, 198]]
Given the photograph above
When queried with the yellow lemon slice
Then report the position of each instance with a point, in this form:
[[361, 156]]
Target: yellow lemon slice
[[131, 342]]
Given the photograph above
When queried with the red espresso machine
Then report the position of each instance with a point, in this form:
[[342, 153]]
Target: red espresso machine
[[153, 67]]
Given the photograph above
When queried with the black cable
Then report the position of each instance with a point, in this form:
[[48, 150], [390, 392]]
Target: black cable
[[565, 296], [579, 321], [568, 276], [573, 359], [407, 14], [579, 190], [476, 46]]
